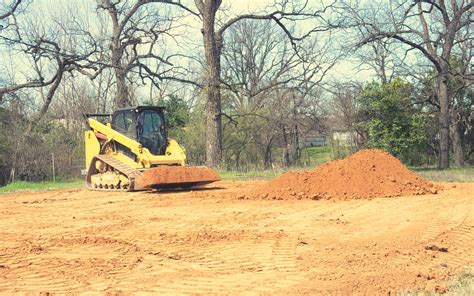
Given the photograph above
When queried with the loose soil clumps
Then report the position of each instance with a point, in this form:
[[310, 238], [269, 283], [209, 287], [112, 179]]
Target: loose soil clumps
[[365, 174]]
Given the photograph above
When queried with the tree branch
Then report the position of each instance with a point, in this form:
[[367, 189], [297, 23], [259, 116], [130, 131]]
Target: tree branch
[[12, 10], [381, 35]]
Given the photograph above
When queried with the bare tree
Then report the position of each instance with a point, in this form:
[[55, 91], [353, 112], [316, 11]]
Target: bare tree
[[253, 65], [429, 27], [138, 33], [54, 51], [213, 39], [272, 89], [50, 58], [382, 57], [346, 111], [127, 43]]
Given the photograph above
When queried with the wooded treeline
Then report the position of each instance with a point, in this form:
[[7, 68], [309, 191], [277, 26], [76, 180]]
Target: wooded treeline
[[242, 89]]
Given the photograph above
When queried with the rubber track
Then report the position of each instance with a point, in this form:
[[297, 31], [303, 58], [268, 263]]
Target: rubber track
[[123, 168]]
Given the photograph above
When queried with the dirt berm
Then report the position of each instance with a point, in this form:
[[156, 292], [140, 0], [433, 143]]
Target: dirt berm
[[365, 174]]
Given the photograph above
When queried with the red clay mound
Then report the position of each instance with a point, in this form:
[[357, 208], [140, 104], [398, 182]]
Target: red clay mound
[[366, 174]]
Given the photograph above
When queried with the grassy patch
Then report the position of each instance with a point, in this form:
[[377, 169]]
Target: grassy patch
[[260, 174], [461, 285], [317, 155], [465, 174], [40, 186], [319, 150]]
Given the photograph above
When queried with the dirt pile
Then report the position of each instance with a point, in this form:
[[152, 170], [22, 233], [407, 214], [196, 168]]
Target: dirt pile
[[366, 174]]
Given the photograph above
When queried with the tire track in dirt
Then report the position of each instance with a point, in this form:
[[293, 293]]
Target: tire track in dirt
[[29, 274], [461, 254], [71, 262], [446, 227], [37, 279], [440, 226], [223, 259], [455, 231], [229, 259]]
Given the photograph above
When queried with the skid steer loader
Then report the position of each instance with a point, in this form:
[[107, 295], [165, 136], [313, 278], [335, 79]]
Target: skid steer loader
[[132, 152]]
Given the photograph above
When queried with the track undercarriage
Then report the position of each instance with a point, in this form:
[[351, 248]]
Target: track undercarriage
[[106, 173]]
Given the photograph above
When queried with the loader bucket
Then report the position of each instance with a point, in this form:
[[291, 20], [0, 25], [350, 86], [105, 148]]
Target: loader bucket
[[175, 177]]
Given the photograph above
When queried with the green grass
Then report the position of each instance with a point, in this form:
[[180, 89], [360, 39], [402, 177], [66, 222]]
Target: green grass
[[256, 174], [40, 186], [318, 150], [463, 284], [317, 155], [465, 174]]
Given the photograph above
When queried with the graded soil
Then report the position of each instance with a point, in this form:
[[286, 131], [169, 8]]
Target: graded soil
[[366, 174], [211, 242]]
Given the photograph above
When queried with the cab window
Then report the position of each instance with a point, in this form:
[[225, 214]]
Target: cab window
[[124, 122], [152, 134]]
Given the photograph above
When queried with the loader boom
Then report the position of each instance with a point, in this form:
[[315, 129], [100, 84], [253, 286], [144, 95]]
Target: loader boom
[[174, 154]]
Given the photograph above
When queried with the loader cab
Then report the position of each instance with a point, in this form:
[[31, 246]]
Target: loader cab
[[143, 124]]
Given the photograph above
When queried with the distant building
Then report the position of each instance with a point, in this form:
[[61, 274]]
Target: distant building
[[342, 136], [313, 139]]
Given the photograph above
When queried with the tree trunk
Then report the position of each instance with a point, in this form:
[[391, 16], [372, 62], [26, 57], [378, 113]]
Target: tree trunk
[[457, 142], [122, 95], [294, 146], [286, 156], [443, 120], [267, 158], [212, 50], [122, 99], [296, 143], [291, 150], [214, 128]]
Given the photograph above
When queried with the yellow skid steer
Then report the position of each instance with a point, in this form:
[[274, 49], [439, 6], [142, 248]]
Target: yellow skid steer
[[133, 152]]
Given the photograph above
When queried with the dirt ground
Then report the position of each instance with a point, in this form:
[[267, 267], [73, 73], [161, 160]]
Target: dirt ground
[[210, 241]]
